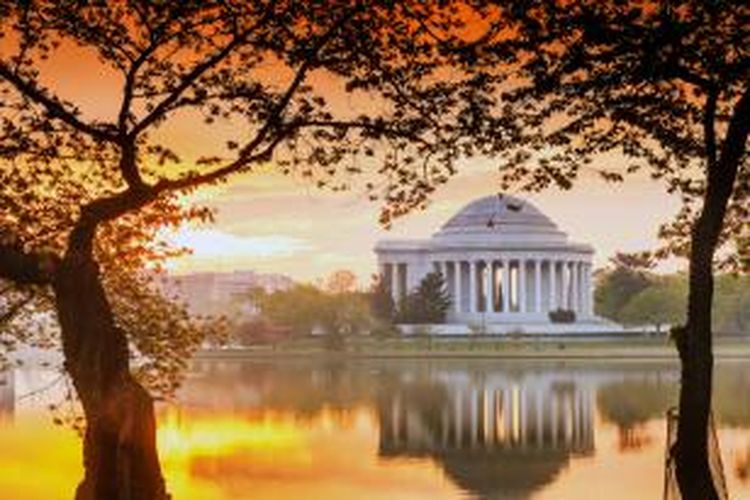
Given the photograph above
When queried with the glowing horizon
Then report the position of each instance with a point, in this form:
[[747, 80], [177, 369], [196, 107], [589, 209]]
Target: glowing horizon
[[267, 222]]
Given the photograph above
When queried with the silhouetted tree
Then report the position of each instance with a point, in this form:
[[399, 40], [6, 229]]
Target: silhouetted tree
[[85, 193], [664, 83]]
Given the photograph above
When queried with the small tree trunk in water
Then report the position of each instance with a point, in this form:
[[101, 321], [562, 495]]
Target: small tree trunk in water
[[120, 456]]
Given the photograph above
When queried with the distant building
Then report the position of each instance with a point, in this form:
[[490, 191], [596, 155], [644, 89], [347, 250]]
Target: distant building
[[214, 293], [506, 265]]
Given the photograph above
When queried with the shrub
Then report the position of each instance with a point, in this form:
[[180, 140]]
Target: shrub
[[562, 316]]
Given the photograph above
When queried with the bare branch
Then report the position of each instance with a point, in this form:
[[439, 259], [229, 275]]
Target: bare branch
[[199, 70], [248, 153], [54, 107]]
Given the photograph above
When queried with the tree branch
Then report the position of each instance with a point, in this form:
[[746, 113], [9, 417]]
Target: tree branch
[[735, 141], [54, 107], [684, 74], [23, 268], [248, 153], [722, 177], [709, 130], [104, 209], [194, 74], [191, 181], [8, 315]]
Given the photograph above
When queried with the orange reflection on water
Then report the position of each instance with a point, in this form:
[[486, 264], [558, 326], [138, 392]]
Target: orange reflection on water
[[273, 455], [216, 456], [615, 475], [39, 461]]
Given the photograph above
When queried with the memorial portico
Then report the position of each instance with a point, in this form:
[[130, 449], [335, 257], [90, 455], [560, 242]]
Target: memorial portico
[[503, 262]]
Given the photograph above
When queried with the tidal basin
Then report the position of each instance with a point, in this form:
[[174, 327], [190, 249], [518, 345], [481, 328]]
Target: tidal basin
[[396, 428]]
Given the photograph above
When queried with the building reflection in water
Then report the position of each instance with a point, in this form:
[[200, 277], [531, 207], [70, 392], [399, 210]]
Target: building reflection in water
[[496, 429], [544, 417], [499, 437]]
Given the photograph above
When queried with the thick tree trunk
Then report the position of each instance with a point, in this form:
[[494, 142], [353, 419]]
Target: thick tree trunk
[[695, 345], [693, 469], [120, 456]]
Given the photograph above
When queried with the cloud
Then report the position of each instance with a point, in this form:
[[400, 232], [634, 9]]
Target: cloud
[[214, 244]]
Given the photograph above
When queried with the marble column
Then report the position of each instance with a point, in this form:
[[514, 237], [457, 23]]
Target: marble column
[[553, 305], [490, 295], [389, 275], [457, 285], [522, 285], [581, 289], [574, 286], [473, 286], [589, 290], [537, 285], [565, 269], [506, 286]]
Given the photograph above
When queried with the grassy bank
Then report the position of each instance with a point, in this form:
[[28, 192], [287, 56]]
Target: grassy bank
[[482, 347]]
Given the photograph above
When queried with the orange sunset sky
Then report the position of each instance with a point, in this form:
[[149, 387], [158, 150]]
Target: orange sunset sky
[[272, 223]]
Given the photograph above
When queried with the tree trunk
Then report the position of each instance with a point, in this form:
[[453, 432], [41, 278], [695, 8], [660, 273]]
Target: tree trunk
[[693, 469], [120, 456], [695, 345]]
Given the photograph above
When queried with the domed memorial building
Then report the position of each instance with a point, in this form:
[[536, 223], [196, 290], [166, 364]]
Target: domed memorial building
[[506, 266]]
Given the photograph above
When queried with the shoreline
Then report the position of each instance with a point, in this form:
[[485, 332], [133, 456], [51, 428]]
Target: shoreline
[[554, 350]]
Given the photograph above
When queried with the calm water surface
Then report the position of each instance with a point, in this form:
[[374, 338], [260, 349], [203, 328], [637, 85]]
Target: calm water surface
[[395, 429]]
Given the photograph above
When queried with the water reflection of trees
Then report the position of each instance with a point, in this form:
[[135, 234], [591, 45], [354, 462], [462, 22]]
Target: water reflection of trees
[[301, 389], [496, 429], [732, 396], [629, 404], [7, 394], [637, 398], [742, 466]]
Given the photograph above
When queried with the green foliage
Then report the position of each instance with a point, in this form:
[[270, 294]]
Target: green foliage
[[346, 313], [300, 308], [428, 304], [305, 309], [731, 312], [640, 298], [617, 285], [664, 301]]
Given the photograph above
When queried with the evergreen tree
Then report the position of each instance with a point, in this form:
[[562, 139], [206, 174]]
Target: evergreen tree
[[429, 303], [382, 306]]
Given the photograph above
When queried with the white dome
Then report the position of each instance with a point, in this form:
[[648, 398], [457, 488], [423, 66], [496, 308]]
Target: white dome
[[502, 219]]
